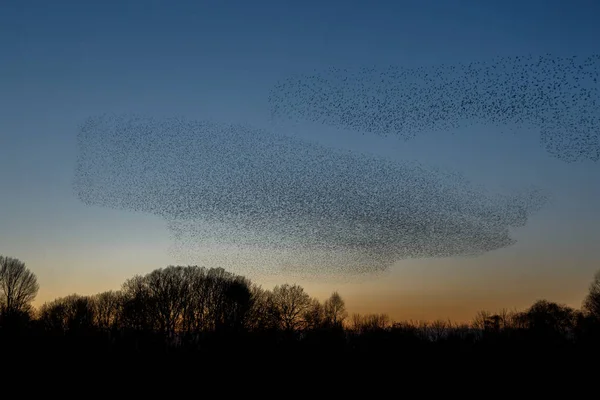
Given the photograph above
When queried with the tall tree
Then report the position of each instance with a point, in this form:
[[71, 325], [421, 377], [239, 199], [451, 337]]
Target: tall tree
[[591, 303], [335, 310], [290, 302], [168, 290], [108, 308], [18, 286], [548, 320], [138, 306], [73, 313], [314, 316], [262, 314]]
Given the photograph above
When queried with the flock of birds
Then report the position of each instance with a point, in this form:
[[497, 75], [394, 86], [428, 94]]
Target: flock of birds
[[263, 193], [260, 200], [559, 96]]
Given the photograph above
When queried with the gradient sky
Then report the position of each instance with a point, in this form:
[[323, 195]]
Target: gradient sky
[[62, 61]]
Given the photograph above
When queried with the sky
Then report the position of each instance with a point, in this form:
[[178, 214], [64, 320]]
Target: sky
[[63, 61]]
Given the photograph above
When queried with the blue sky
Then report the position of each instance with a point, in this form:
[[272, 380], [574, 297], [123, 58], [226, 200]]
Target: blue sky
[[63, 61]]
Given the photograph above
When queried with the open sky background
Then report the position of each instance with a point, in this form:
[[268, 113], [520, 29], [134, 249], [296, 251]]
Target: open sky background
[[62, 61]]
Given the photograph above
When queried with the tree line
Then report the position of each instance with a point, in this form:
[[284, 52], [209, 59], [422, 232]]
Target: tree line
[[191, 309]]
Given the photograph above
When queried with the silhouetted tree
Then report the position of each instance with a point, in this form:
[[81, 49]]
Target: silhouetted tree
[[167, 293], [108, 309], [73, 314], [549, 321], [229, 300], [490, 324], [53, 316], [237, 304], [335, 310], [290, 302], [591, 303], [314, 315], [138, 305], [81, 313], [187, 300], [262, 315], [195, 308], [18, 288]]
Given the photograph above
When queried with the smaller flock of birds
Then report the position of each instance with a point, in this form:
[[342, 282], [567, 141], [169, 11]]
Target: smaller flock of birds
[[557, 95]]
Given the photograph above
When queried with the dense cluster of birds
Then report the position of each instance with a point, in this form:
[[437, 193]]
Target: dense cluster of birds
[[557, 95], [289, 203]]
